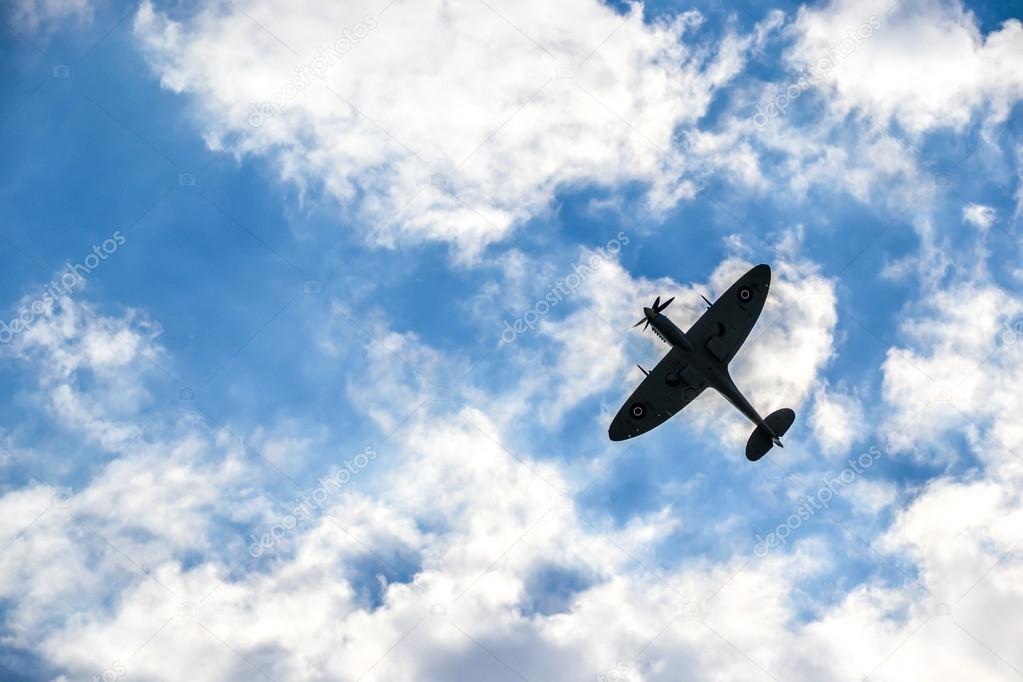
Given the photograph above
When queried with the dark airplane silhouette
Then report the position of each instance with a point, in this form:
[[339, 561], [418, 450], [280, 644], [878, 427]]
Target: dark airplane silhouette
[[699, 359]]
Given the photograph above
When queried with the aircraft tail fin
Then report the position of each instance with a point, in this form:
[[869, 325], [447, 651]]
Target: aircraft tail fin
[[762, 440]]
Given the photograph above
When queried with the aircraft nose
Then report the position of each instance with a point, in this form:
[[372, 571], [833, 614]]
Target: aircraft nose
[[649, 312]]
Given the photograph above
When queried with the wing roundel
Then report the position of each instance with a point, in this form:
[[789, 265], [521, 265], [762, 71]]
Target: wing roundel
[[728, 322]]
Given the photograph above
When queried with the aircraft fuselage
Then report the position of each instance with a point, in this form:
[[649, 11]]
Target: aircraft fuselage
[[700, 361]]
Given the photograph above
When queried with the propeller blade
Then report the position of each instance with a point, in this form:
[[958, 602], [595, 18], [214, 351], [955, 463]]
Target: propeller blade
[[647, 324], [666, 304], [639, 323], [657, 302]]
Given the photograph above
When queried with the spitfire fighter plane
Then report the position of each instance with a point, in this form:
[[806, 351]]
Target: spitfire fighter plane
[[698, 360]]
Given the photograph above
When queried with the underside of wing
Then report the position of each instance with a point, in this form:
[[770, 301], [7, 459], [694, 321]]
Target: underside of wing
[[725, 326], [669, 387]]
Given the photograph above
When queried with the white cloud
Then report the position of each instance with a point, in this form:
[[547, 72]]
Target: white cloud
[[872, 497], [481, 528], [72, 344], [955, 531], [836, 420], [864, 84], [924, 64], [1018, 196], [979, 216], [401, 375], [826, 153], [450, 121], [146, 563], [951, 393], [36, 16], [958, 371]]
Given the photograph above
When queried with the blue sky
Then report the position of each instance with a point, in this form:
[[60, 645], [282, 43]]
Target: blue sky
[[274, 301]]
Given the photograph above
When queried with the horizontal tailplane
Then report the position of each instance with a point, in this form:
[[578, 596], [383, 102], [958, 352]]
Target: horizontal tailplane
[[762, 439]]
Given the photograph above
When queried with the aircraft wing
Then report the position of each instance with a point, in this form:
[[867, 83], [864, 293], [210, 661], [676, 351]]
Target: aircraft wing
[[725, 326], [673, 384], [669, 387]]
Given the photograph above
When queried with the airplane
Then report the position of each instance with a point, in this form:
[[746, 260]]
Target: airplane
[[698, 360]]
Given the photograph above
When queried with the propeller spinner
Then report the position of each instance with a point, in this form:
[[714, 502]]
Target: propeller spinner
[[653, 311]]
